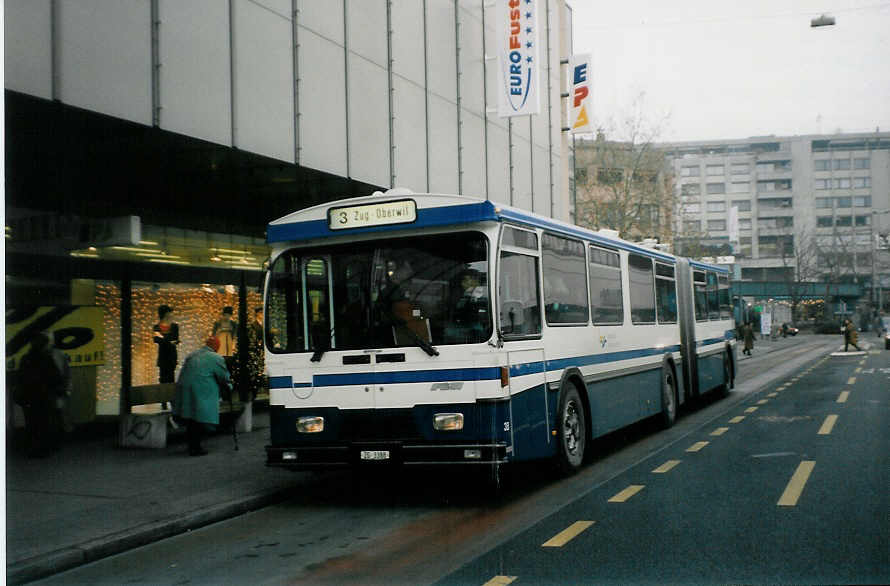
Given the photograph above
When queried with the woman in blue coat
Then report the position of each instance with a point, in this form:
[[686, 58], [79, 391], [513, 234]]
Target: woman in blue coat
[[203, 376]]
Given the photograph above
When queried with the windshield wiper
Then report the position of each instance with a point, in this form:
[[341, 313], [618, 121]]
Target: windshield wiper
[[321, 349], [418, 341]]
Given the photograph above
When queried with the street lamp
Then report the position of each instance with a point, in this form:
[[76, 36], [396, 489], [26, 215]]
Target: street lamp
[[874, 253], [822, 20]]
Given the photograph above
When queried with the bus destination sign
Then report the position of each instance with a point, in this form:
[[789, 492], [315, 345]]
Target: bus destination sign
[[373, 214]]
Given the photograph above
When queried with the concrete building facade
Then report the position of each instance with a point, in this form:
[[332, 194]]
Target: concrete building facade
[[819, 200], [207, 119]]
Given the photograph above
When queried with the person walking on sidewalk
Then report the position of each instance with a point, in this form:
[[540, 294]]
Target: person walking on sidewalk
[[166, 336], [43, 386], [203, 377], [851, 336], [225, 330], [748, 334]]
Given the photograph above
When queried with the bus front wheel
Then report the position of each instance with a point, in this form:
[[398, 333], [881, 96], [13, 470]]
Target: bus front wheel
[[572, 431]]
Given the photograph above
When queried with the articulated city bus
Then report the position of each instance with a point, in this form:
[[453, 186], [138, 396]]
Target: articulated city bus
[[440, 329]]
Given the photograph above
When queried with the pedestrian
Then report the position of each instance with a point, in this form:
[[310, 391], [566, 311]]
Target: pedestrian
[[203, 378], [43, 386], [225, 329], [748, 333], [851, 336], [166, 336]]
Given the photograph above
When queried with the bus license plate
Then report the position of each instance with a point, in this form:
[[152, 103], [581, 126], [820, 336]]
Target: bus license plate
[[375, 454]]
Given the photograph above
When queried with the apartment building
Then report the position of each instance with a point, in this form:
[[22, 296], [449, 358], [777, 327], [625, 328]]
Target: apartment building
[[777, 203]]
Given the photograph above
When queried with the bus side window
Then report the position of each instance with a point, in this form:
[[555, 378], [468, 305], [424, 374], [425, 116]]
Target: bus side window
[[665, 294], [723, 294], [606, 300], [642, 289], [713, 303], [518, 299], [701, 296], [284, 313]]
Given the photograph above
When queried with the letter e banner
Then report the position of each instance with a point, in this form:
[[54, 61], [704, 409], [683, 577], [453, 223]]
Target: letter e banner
[[579, 95]]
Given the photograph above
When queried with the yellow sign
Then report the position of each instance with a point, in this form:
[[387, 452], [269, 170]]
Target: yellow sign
[[78, 331]]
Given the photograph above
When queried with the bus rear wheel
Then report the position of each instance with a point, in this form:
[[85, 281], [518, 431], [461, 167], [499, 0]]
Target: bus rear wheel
[[727, 376], [571, 430], [668, 397]]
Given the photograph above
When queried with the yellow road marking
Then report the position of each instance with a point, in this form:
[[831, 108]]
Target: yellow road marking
[[796, 484], [828, 425], [842, 398], [720, 431], [567, 534], [751, 409], [782, 388], [763, 401], [773, 395], [626, 493], [697, 446], [500, 581], [851, 380], [737, 419], [666, 466]]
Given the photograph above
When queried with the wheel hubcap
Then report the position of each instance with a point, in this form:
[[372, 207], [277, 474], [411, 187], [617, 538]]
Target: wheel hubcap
[[669, 394], [571, 428]]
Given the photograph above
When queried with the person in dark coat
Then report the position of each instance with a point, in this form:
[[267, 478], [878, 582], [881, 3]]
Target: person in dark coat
[[166, 336], [851, 336], [203, 376], [748, 333], [44, 383]]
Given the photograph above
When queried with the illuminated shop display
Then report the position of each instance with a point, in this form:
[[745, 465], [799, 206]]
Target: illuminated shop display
[[195, 306]]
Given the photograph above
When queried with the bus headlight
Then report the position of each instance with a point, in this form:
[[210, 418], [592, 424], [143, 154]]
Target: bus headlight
[[448, 421], [310, 424]]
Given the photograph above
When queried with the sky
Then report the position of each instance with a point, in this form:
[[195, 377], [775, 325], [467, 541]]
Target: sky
[[722, 69]]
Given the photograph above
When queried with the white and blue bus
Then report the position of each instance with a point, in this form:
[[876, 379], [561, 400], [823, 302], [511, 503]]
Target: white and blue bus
[[441, 329]]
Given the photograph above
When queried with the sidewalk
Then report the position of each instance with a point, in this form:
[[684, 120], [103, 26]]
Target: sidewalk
[[93, 499]]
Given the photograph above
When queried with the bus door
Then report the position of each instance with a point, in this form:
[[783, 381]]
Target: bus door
[[528, 404], [519, 322], [349, 376]]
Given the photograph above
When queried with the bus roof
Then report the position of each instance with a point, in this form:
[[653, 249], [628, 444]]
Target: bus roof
[[401, 209]]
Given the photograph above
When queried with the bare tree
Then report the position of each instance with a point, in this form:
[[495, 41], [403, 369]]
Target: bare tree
[[802, 269], [622, 183]]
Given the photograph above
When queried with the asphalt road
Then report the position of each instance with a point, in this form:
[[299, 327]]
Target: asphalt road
[[713, 516], [789, 487]]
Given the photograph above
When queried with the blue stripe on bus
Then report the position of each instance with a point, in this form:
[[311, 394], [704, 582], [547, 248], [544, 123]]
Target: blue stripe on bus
[[710, 341], [528, 368], [700, 265], [562, 363], [409, 376], [465, 374], [426, 218], [285, 382]]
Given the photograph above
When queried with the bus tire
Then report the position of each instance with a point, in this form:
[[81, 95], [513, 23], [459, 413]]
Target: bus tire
[[571, 431], [669, 401], [723, 390]]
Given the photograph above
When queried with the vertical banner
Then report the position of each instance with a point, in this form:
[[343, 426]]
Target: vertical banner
[[520, 68], [733, 227], [579, 94]]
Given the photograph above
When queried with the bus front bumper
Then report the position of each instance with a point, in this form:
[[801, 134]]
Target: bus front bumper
[[383, 454]]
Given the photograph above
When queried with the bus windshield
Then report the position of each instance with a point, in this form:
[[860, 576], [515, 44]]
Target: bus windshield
[[415, 291]]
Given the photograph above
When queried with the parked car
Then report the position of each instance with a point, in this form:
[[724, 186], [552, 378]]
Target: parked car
[[885, 332], [788, 330]]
